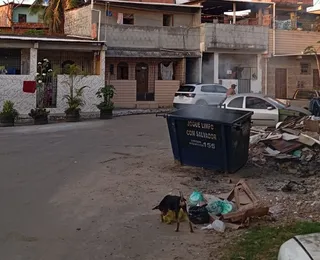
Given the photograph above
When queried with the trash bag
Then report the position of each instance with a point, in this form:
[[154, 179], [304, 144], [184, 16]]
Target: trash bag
[[170, 217], [199, 214], [195, 198], [218, 207]]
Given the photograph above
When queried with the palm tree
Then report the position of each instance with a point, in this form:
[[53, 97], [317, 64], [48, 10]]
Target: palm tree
[[54, 11]]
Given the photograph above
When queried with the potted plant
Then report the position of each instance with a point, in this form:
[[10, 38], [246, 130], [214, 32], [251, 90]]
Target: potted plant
[[106, 106], [8, 114], [75, 97], [39, 115], [43, 80]]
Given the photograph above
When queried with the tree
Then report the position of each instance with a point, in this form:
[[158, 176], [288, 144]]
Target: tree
[[54, 12], [312, 50]]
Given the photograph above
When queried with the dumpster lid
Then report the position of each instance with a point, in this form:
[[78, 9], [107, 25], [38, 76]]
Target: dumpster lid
[[218, 115]]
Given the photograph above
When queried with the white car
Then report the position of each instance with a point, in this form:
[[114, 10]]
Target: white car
[[199, 94], [266, 110], [304, 247]]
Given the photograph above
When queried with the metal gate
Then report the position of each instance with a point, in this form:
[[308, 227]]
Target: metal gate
[[244, 80]]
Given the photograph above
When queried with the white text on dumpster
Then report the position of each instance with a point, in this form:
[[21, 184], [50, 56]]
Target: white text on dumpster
[[200, 134]]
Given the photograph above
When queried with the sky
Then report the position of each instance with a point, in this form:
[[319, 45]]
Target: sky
[[16, 1]]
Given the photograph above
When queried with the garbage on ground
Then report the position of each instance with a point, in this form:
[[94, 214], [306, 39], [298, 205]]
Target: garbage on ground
[[234, 210], [293, 147], [196, 198], [170, 217], [217, 225], [199, 214]]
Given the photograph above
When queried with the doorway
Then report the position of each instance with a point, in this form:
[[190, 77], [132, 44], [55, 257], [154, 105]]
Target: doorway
[[142, 72], [316, 80], [281, 83]]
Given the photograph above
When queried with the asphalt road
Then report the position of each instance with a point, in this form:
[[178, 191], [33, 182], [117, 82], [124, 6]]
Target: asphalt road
[[84, 191]]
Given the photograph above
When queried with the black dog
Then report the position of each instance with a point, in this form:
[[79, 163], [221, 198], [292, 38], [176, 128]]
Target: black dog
[[174, 203]]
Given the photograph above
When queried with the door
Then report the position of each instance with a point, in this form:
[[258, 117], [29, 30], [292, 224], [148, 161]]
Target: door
[[316, 80], [281, 83], [264, 113], [244, 86], [142, 81]]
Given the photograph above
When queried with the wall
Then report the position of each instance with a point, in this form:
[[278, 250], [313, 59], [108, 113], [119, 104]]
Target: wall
[[229, 36], [11, 87], [292, 42], [165, 90], [125, 93], [292, 64], [31, 18], [4, 13], [93, 82], [79, 22], [145, 37], [148, 17]]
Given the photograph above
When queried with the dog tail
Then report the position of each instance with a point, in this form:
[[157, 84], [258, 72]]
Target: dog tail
[[156, 207]]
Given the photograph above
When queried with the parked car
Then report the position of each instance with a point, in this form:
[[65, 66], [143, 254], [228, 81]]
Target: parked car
[[199, 94], [304, 247], [266, 110], [301, 98]]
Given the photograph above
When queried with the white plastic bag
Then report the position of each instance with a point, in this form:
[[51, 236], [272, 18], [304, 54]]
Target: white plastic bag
[[217, 225]]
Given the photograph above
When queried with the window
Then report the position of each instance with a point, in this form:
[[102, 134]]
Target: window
[[128, 19], [257, 103], [111, 69], [305, 94], [220, 89], [167, 20], [186, 89], [237, 102], [22, 18], [208, 88], [65, 66], [305, 68], [10, 61], [123, 71]]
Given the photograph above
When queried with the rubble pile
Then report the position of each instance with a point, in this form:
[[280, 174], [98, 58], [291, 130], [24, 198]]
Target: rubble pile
[[293, 147]]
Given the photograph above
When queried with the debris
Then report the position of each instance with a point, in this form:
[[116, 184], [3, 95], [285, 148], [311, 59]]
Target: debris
[[217, 225], [289, 137], [290, 148], [224, 213], [272, 152], [294, 186]]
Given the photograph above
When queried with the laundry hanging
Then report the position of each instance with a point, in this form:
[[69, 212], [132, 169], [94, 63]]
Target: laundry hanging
[[120, 18], [166, 71]]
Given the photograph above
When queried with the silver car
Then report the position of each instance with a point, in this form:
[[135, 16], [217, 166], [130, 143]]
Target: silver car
[[267, 111]]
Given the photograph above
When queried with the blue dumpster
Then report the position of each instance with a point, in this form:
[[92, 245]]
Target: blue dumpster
[[210, 137]]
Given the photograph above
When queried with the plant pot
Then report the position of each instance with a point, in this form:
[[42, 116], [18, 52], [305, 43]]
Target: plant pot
[[106, 114], [6, 121], [41, 120], [73, 116]]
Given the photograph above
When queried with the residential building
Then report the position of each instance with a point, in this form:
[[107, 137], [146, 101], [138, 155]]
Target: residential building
[[234, 38], [19, 57], [152, 48], [288, 68], [18, 19]]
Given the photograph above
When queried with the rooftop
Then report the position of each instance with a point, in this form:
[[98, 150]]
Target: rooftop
[[48, 39]]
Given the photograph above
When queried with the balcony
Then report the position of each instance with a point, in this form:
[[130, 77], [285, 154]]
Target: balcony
[[234, 36], [151, 38], [292, 42]]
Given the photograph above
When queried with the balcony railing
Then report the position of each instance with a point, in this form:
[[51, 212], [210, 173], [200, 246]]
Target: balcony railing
[[234, 36], [147, 37]]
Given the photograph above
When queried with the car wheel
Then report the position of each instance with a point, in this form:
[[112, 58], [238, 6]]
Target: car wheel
[[201, 103]]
